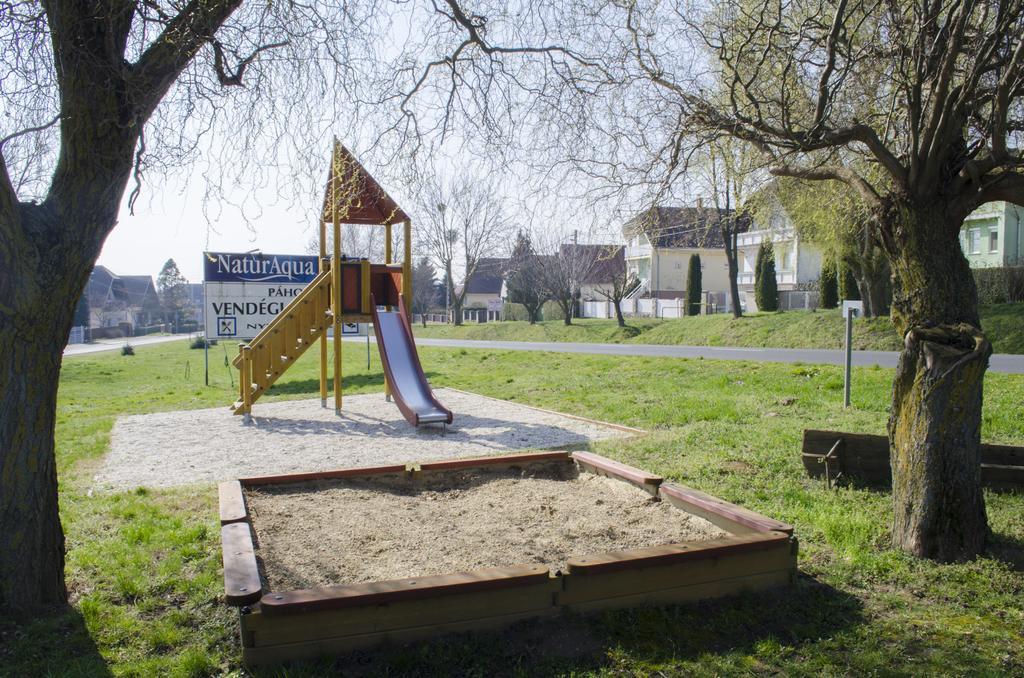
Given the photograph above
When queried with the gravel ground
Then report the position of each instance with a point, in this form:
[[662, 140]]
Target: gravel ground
[[195, 446], [360, 530]]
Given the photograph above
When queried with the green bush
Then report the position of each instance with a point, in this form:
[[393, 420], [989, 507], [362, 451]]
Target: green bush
[[828, 286], [513, 312], [201, 342], [1000, 285], [551, 311], [127, 349], [766, 287]]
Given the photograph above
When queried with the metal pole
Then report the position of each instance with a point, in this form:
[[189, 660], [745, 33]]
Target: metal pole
[[849, 356]]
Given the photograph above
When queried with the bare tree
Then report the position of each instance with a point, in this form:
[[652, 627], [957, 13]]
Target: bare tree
[[563, 274], [97, 94], [931, 93], [619, 283], [464, 220]]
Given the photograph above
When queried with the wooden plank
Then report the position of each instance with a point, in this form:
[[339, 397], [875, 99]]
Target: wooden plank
[[595, 463], [262, 629], [1002, 455], [232, 503], [655, 556], [412, 588], [255, 481], [256, 656], [688, 593], [866, 458], [501, 460], [725, 515], [241, 576], [861, 444]]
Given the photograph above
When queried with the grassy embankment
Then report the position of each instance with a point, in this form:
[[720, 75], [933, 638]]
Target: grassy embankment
[[1004, 324], [144, 566]]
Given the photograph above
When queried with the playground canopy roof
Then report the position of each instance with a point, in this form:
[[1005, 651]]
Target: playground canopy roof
[[356, 196]]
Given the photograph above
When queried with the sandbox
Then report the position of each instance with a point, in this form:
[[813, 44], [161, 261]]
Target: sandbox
[[327, 562]]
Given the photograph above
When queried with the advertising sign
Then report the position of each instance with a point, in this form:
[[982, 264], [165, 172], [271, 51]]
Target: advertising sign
[[244, 292]]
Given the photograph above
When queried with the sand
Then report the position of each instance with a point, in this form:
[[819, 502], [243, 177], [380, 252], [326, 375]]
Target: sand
[[359, 530]]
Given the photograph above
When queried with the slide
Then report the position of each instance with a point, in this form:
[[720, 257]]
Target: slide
[[409, 385]]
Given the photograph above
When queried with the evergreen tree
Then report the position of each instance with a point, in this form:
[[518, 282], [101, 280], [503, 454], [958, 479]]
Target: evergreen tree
[[848, 289], [828, 286], [172, 287], [82, 312], [693, 286], [766, 287], [424, 287]]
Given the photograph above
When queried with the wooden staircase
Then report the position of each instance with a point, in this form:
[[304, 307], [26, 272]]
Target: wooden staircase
[[266, 357]]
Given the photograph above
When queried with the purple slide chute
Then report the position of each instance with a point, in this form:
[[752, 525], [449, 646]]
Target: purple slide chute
[[401, 362]]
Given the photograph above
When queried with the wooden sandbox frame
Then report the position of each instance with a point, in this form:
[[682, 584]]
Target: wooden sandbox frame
[[277, 626]]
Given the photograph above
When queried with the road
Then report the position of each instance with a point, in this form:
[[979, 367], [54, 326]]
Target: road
[[1012, 364], [101, 345]]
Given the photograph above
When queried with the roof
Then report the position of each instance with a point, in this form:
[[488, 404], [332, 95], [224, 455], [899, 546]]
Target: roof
[[104, 286], [488, 276], [609, 261], [354, 196], [683, 227], [140, 290]]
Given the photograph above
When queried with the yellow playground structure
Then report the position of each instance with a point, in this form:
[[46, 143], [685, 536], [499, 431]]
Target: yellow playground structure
[[347, 290]]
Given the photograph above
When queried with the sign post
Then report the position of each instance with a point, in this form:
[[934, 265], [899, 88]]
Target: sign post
[[851, 309]]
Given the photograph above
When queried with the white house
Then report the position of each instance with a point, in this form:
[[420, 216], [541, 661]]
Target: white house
[[993, 235], [660, 242]]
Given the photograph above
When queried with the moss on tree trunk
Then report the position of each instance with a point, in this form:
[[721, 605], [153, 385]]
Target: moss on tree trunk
[[935, 421]]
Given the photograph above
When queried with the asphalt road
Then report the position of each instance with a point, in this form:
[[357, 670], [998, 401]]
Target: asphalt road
[[1013, 364], [116, 344]]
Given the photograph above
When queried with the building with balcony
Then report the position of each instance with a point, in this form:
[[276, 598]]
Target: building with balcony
[[660, 241]]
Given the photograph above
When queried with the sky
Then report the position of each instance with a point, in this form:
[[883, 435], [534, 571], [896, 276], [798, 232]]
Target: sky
[[169, 223]]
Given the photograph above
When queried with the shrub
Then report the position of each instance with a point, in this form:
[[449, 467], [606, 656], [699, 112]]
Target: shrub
[[127, 349], [512, 311], [766, 287], [999, 285], [551, 311], [693, 286], [201, 342], [828, 286], [848, 289]]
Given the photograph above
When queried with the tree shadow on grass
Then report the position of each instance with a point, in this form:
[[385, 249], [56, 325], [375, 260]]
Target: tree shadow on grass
[[797, 616], [1008, 549], [57, 644]]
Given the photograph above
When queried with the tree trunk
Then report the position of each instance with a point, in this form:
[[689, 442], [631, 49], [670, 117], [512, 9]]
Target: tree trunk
[[729, 237], [935, 421], [618, 313]]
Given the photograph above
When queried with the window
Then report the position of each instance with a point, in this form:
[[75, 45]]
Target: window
[[993, 241], [974, 240]]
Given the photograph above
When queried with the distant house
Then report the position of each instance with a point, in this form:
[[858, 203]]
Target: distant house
[[797, 263], [484, 286], [126, 301], [660, 241], [993, 235], [609, 262]]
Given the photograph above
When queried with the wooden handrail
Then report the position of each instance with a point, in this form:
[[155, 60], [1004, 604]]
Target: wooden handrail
[[308, 292]]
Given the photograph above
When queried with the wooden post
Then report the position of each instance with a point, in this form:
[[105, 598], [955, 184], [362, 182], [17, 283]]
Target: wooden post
[[336, 307], [245, 379], [387, 243], [407, 267], [364, 282], [322, 320]]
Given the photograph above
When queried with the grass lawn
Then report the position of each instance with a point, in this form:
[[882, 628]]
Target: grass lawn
[[1004, 324], [144, 567]]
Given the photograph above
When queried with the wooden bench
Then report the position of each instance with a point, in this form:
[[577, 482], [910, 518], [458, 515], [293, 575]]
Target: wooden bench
[[835, 455]]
